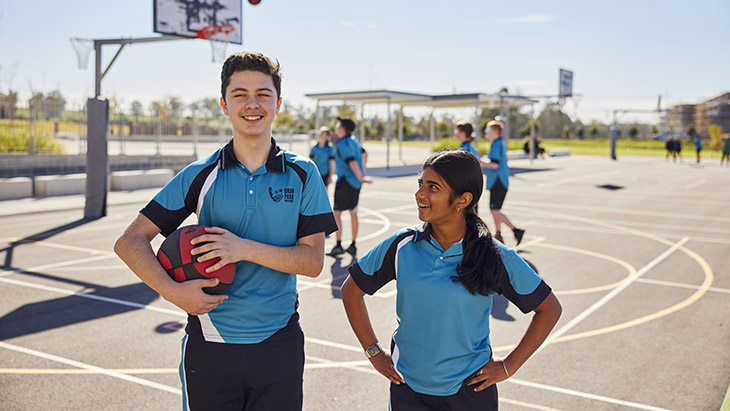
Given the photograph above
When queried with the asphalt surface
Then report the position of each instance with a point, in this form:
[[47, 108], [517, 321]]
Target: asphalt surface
[[636, 250]]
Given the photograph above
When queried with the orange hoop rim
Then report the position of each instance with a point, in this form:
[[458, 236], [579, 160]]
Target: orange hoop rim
[[207, 32]]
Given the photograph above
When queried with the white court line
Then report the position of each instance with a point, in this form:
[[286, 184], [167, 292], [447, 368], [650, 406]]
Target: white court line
[[179, 313], [584, 395], [94, 368], [681, 285], [608, 297], [695, 184], [55, 265], [385, 228]]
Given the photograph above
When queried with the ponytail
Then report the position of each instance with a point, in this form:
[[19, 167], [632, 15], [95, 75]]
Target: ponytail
[[480, 270]]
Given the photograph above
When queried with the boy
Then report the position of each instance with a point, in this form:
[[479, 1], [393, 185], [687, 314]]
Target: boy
[[498, 179], [350, 163], [268, 213]]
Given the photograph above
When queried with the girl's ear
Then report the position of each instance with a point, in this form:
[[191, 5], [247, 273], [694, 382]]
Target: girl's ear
[[463, 201]]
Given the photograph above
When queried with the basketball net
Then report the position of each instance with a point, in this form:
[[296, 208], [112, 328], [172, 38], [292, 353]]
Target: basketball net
[[83, 48], [217, 46]]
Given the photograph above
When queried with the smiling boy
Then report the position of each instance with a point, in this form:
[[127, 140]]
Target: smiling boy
[[268, 213]]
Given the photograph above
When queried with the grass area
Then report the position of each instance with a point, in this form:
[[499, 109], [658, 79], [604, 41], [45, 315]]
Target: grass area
[[592, 147], [14, 138]]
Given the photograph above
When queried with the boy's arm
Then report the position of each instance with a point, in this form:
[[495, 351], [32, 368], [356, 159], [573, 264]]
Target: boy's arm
[[134, 248], [356, 169], [305, 258]]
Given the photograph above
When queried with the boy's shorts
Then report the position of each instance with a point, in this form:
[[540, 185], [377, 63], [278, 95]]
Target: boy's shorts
[[496, 196], [346, 196]]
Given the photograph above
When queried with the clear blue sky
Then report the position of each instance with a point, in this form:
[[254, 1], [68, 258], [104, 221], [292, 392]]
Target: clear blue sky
[[623, 53]]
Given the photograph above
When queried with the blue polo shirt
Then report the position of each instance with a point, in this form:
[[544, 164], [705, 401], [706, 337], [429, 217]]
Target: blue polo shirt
[[277, 204], [321, 156], [348, 149], [443, 330], [468, 146], [498, 152]]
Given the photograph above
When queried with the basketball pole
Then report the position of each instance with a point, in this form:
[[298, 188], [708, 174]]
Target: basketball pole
[[97, 140]]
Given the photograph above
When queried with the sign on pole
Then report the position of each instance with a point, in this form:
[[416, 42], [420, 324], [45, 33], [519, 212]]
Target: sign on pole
[[566, 83]]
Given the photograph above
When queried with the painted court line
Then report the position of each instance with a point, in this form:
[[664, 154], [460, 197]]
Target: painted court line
[[56, 265], [681, 285], [584, 395], [695, 184], [89, 367], [608, 297]]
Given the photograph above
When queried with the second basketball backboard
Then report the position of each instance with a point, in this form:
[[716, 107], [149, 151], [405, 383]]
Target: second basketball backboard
[[217, 19]]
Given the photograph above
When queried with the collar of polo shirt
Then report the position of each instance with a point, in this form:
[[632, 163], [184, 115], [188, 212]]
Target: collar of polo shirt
[[275, 163]]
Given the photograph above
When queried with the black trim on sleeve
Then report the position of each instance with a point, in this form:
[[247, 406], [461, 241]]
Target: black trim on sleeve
[[383, 275], [494, 161], [166, 220], [312, 224], [529, 302], [349, 159]]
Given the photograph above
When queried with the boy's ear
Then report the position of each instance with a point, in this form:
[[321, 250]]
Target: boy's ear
[[278, 105], [224, 106]]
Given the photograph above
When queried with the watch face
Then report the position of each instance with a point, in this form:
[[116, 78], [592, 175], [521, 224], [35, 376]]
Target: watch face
[[374, 350]]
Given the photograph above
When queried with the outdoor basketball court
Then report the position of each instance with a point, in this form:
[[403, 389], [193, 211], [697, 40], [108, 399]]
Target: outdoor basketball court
[[636, 250]]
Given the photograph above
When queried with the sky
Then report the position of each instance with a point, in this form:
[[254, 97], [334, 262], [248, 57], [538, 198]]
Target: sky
[[623, 53]]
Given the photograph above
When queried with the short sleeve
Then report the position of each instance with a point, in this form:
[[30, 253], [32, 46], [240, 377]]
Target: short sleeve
[[495, 152], [377, 268], [524, 287], [347, 150], [315, 214]]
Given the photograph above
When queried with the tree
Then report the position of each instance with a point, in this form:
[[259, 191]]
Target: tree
[[580, 132], [593, 131], [567, 134], [8, 104], [525, 130], [715, 133], [137, 109], [553, 121], [691, 131], [633, 132]]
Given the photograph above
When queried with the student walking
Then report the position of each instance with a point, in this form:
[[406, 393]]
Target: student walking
[[498, 180], [725, 150], [350, 165], [447, 271], [268, 213]]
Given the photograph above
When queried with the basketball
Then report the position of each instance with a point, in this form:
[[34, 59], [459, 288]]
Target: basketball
[[174, 256]]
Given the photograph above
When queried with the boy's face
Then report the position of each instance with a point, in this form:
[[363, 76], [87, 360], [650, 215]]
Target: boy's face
[[340, 131], [251, 103], [492, 133]]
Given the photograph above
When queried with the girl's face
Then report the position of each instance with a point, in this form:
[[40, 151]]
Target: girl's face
[[433, 198], [459, 135]]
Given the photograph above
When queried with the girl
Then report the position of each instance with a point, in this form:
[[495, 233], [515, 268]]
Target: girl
[[447, 271]]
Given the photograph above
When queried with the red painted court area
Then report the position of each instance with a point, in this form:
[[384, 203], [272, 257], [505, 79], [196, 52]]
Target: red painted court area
[[636, 251]]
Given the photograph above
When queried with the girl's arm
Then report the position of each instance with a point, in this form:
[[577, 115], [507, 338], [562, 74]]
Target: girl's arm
[[357, 314], [544, 320]]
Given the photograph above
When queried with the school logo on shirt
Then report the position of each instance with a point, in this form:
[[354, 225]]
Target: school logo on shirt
[[286, 193]]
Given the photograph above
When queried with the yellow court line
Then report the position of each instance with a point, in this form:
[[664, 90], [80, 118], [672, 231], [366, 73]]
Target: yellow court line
[[701, 291]]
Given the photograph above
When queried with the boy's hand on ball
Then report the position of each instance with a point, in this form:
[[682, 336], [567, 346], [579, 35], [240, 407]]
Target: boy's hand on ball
[[220, 243], [190, 297]]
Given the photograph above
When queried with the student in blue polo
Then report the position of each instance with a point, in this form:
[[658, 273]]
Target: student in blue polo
[[350, 165], [498, 174], [463, 132], [268, 213], [323, 155], [447, 271]]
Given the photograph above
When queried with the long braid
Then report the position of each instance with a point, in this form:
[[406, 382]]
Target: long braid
[[479, 271]]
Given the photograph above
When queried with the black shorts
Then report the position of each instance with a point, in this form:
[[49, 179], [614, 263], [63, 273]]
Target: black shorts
[[496, 196], [403, 398], [263, 376], [346, 196], [325, 177]]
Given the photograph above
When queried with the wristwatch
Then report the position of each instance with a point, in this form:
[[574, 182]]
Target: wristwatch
[[373, 350]]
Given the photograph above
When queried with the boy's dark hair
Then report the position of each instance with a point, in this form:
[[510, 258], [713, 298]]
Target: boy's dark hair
[[347, 124], [466, 127], [247, 60], [480, 271]]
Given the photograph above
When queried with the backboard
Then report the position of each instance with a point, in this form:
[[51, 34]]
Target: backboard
[[219, 20]]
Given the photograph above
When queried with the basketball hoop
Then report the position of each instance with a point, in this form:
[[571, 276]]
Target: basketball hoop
[[217, 46], [83, 48]]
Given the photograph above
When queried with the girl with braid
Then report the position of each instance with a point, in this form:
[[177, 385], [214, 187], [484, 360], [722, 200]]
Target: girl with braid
[[447, 271]]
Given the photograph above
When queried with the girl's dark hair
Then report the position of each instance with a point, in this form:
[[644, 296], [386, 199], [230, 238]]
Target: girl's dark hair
[[480, 270], [467, 128]]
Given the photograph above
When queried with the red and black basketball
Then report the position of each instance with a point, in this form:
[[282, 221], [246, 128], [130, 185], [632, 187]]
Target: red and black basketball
[[174, 256]]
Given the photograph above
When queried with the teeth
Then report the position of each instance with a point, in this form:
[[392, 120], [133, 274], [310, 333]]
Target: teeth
[[420, 205], [251, 117]]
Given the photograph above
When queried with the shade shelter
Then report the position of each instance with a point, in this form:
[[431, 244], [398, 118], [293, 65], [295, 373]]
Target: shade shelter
[[406, 99]]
